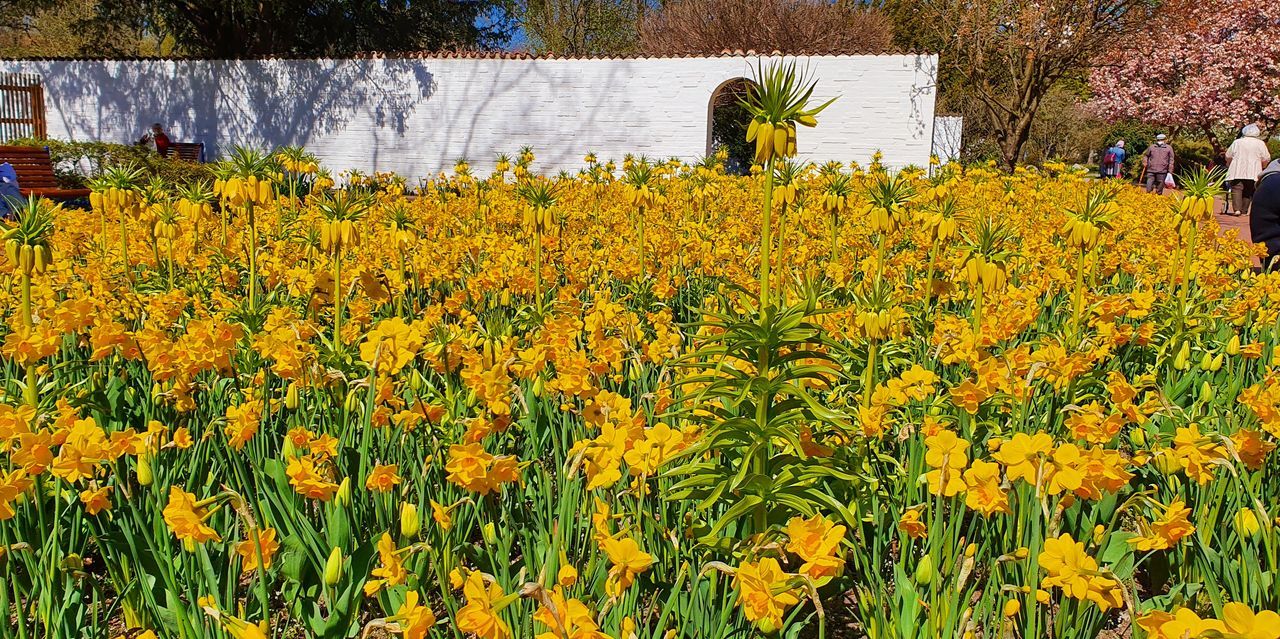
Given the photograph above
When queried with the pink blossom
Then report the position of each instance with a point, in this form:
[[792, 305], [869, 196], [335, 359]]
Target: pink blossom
[[1202, 62]]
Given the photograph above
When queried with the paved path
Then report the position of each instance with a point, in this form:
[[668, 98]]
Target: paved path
[[1240, 225]]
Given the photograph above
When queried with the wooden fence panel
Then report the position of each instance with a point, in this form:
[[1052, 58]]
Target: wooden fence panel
[[21, 107]]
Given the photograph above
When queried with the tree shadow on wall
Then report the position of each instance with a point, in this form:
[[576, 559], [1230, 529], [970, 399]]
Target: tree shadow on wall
[[261, 103], [500, 107], [923, 89]]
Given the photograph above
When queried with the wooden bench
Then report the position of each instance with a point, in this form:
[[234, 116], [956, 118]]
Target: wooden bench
[[187, 152], [35, 173]]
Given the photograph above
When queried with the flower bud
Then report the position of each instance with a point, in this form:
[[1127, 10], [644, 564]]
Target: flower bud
[[291, 396], [1138, 437], [1011, 608], [489, 533], [144, 470], [1206, 361], [924, 570], [1182, 360], [410, 522], [1233, 346], [343, 498], [288, 450], [1166, 462], [1206, 391], [1246, 523], [567, 576], [333, 568]]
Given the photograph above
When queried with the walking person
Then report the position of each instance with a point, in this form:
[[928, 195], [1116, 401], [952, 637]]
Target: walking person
[[1157, 164], [1246, 158], [1264, 219], [1113, 161]]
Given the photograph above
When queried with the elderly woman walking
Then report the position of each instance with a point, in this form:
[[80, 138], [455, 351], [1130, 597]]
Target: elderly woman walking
[[1246, 158]]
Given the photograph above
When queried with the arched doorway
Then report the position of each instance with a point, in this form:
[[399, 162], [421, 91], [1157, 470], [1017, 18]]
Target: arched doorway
[[727, 122]]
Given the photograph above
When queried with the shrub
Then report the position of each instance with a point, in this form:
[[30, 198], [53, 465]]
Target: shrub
[[74, 163], [1192, 154]]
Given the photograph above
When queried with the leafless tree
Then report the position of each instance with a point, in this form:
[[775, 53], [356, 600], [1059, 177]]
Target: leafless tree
[[1006, 55], [692, 27]]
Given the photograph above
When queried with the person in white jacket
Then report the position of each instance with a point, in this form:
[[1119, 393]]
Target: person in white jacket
[[1246, 158]]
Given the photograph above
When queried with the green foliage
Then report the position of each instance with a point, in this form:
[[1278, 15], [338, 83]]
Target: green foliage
[[331, 28], [70, 159], [729, 121], [1192, 154], [755, 417], [580, 27]]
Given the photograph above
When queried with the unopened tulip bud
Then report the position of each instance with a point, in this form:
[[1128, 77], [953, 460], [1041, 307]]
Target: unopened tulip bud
[[1233, 346], [410, 522], [1182, 360], [1206, 391], [1246, 523], [333, 568], [1206, 361], [343, 498], [924, 571], [1011, 608], [288, 450], [144, 470], [1138, 437]]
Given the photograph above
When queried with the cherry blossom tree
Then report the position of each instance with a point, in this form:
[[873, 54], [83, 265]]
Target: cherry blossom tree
[[1199, 64]]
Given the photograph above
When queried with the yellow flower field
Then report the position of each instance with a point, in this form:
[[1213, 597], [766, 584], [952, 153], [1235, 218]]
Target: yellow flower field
[[943, 403]]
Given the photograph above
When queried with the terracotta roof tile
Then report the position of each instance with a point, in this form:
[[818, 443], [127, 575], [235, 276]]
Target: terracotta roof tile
[[464, 54]]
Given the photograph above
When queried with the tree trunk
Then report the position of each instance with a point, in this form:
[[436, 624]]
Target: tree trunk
[[1218, 148], [1014, 133]]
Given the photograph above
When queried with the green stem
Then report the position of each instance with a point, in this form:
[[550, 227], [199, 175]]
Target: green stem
[[928, 280], [977, 309], [103, 238], [640, 225], [880, 254], [1185, 290], [1077, 296], [834, 223], [537, 265], [337, 299], [869, 375], [253, 256], [765, 231], [782, 243], [124, 244], [404, 275], [758, 460], [30, 394]]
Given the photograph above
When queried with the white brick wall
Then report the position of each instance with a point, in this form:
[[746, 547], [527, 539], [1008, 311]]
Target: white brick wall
[[417, 116]]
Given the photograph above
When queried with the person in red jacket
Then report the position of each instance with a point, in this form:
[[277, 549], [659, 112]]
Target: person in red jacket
[[157, 139]]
